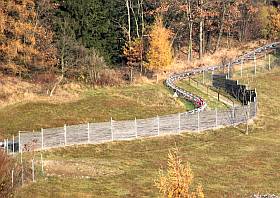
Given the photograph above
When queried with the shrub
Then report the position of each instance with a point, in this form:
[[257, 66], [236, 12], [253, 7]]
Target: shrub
[[6, 166], [108, 77], [178, 179], [44, 78]]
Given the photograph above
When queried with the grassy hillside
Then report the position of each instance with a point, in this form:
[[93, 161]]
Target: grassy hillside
[[94, 105], [227, 162]]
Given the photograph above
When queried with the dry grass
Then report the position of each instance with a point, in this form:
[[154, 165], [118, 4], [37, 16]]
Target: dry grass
[[227, 162], [237, 49], [15, 90], [121, 103]]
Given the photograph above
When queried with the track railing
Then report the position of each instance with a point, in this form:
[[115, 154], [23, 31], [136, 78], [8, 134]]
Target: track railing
[[196, 120], [199, 102]]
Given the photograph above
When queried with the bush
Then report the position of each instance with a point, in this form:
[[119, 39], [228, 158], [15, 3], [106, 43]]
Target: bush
[[44, 78], [108, 77], [6, 166], [177, 181]]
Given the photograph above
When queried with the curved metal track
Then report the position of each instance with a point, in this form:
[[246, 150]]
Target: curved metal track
[[199, 102]]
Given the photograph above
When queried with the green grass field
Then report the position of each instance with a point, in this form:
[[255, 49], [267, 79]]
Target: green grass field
[[95, 105], [212, 102], [227, 162]]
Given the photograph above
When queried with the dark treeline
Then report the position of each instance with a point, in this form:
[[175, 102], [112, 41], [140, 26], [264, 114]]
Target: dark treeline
[[85, 39]]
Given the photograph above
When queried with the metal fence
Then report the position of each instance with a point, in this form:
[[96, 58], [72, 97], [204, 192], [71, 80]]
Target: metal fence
[[94, 133], [192, 121]]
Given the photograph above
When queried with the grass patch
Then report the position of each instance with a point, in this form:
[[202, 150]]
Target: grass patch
[[95, 105], [211, 101], [227, 162]]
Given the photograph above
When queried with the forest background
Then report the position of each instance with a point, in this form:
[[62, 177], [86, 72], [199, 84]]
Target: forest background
[[102, 42]]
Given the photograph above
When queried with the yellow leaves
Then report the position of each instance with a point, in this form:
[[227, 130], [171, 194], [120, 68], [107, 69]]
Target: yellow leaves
[[160, 53], [269, 20], [27, 44], [275, 22], [176, 183], [2, 21]]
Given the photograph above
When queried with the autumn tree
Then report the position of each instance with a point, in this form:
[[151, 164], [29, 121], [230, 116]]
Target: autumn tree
[[177, 181], [268, 20], [160, 52], [26, 46], [275, 20], [133, 53]]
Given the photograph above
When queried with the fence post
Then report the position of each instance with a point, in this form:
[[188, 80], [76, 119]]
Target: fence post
[[228, 70], [4, 145], [21, 157], [65, 135], [216, 112], [88, 131], [269, 62], [179, 127], [255, 63], [12, 177], [233, 114], [203, 77], [241, 67], [42, 133], [158, 124], [33, 171], [198, 120], [112, 133], [13, 144], [135, 125], [19, 143], [7, 142], [248, 109], [256, 103], [42, 164], [21, 174]]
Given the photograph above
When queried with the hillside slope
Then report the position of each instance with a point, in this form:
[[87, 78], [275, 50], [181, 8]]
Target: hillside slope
[[227, 162]]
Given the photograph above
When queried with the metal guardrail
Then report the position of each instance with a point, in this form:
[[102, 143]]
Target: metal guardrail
[[199, 102]]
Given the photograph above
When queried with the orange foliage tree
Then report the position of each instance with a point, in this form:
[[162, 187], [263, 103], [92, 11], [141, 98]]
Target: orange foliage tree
[[133, 52], [25, 44], [160, 52], [275, 22], [176, 183]]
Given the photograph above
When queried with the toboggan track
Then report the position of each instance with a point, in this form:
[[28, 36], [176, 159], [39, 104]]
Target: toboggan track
[[95, 133], [199, 102]]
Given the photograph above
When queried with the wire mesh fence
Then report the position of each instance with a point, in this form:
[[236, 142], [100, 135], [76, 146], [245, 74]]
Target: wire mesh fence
[[193, 121], [94, 133]]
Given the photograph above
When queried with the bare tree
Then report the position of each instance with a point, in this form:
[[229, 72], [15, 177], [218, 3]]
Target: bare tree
[[127, 3]]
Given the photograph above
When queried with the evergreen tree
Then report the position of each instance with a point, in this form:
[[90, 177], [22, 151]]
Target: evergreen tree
[[92, 22]]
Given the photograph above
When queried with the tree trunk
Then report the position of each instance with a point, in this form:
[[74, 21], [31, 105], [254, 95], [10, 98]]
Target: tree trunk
[[131, 75], [135, 18], [221, 27], [190, 42], [200, 39], [142, 18], [190, 23], [128, 20], [208, 41], [56, 84], [201, 33]]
